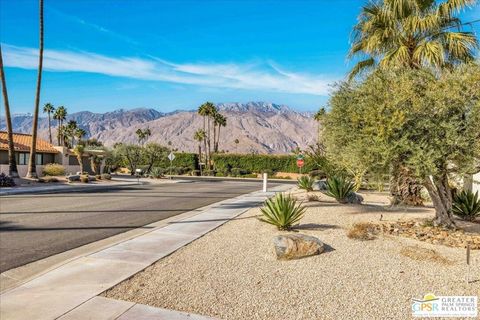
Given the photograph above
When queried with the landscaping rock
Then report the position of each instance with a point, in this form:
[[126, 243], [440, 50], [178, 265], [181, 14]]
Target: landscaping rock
[[354, 198], [73, 178], [320, 185], [297, 246]]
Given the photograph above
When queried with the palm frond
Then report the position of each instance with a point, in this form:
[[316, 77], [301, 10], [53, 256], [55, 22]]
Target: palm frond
[[361, 67]]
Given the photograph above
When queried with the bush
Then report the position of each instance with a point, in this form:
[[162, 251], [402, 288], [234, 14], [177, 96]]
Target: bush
[[98, 177], [209, 173], [6, 180], [339, 188], [106, 176], [182, 159], [156, 173], [317, 174], [363, 231], [84, 179], [53, 169], [260, 162], [195, 173], [282, 211], [237, 172], [306, 183], [466, 205]]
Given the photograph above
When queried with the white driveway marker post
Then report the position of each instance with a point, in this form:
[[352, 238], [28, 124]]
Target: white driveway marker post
[[264, 182]]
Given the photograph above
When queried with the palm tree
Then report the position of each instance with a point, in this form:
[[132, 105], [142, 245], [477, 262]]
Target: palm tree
[[32, 168], [207, 110], [199, 136], [49, 109], [70, 132], [60, 115], [79, 133], [142, 135], [411, 34], [12, 163], [319, 116], [220, 121]]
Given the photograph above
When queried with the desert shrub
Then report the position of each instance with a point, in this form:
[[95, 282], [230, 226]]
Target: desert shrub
[[98, 177], [182, 159], [282, 211], [236, 172], [466, 205], [306, 183], [209, 173], [317, 174], [339, 188], [156, 173], [363, 231], [269, 172], [260, 162], [250, 175], [106, 176], [84, 179], [195, 173], [6, 180], [53, 169]]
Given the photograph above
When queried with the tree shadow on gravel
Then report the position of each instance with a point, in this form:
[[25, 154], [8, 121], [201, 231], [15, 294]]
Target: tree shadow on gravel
[[315, 226]]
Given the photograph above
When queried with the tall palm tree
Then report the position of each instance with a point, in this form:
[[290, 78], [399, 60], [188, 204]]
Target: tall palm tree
[[207, 110], [219, 121], [79, 134], [319, 116], [12, 163], [199, 136], [411, 34], [70, 131], [32, 168], [60, 115], [48, 108]]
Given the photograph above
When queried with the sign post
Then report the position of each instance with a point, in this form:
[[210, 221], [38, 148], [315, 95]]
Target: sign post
[[171, 157], [300, 162], [264, 182]]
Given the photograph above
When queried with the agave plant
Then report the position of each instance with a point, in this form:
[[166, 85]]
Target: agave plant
[[282, 211], [156, 173], [466, 205], [339, 188], [306, 183]]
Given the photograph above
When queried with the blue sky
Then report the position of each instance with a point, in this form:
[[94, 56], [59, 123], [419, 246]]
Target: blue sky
[[104, 55]]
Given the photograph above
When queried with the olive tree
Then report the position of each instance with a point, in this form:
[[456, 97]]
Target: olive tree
[[426, 121]]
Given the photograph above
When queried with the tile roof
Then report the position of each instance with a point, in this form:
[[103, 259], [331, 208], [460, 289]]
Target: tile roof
[[22, 143]]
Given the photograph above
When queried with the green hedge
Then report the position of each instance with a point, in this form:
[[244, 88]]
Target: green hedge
[[259, 163], [182, 159]]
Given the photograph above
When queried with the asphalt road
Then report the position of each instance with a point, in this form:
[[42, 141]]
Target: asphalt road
[[33, 227]]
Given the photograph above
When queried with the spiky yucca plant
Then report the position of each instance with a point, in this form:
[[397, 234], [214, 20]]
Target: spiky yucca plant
[[339, 188], [466, 205], [282, 211], [306, 183]]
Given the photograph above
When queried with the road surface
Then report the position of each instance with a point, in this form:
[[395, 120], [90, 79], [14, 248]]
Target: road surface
[[33, 227]]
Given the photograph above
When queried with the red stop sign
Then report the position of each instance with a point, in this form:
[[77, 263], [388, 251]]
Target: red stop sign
[[300, 163]]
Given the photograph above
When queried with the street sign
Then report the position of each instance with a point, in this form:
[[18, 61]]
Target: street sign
[[171, 156], [300, 156], [300, 163]]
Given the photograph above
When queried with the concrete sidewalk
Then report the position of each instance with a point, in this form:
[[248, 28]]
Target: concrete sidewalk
[[63, 292]]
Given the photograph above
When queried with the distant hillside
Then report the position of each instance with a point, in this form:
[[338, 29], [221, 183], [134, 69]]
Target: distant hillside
[[260, 127]]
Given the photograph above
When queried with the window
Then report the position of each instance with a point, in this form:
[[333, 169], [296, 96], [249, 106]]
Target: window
[[39, 158], [23, 158]]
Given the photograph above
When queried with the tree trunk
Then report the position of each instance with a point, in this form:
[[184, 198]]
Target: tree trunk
[[49, 129], [442, 199], [200, 157], [209, 144], [12, 163], [32, 168], [404, 189], [218, 139]]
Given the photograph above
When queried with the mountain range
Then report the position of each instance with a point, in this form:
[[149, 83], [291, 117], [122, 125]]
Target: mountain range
[[260, 127]]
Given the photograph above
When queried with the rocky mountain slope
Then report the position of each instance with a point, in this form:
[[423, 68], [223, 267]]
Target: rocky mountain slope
[[260, 127]]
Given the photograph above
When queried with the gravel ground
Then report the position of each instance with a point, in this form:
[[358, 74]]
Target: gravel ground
[[232, 272]]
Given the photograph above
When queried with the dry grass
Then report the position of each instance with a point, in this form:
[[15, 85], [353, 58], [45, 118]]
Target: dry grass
[[363, 231], [423, 254]]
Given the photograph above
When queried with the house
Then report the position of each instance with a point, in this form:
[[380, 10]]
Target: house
[[45, 153]]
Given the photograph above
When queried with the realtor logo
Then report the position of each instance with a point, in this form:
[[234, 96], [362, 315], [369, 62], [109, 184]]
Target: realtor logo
[[445, 306]]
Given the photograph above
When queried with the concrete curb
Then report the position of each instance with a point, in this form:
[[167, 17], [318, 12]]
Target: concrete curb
[[204, 178]]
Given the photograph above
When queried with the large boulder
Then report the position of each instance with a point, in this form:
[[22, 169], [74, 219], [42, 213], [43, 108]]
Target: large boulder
[[295, 246], [354, 198], [320, 185]]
